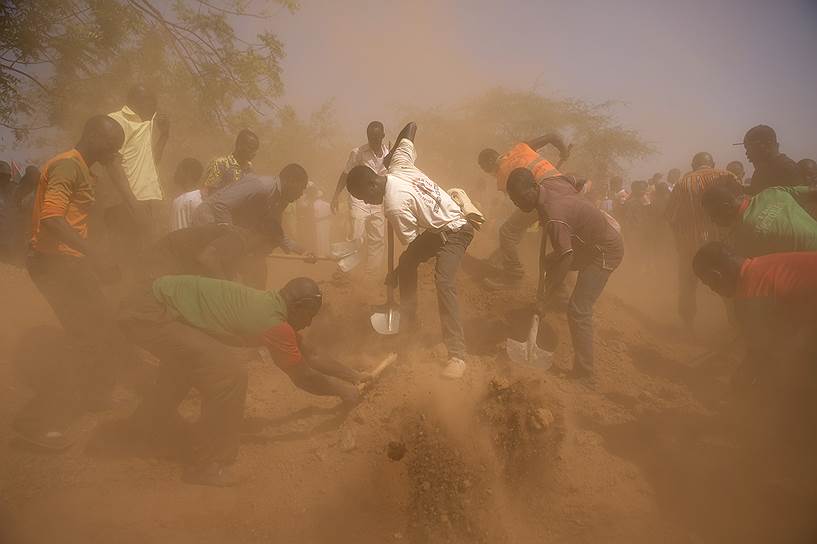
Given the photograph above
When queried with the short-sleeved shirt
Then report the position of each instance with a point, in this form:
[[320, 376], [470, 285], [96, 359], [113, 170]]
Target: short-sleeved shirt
[[783, 283], [181, 212], [774, 221], [65, 189], [178, 251], [138, 161], [230, 310], [413, 203], [365, 155], [523, 156], [225, 171], [781, 171], [254, 203], [574, 225], [691, 225]]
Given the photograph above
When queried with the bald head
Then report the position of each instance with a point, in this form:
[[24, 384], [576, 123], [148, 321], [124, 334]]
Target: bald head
[[101, 139], [702, 159], [303, 299]]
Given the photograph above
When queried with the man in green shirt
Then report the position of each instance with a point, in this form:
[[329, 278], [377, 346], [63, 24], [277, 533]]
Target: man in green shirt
[[776, 220], [188, 323]]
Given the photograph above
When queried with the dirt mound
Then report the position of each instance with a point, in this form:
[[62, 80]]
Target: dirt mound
[[461, 468]]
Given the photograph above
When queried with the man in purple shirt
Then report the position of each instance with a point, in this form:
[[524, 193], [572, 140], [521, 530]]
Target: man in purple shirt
[[583, 238]]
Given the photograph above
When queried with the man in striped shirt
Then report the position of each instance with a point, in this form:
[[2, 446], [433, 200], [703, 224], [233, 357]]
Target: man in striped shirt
[[691, 226]]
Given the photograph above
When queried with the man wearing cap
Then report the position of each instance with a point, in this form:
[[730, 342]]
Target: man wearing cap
[[522, 155], [189, 322], [691, 226], [368, 222], [772, 168]]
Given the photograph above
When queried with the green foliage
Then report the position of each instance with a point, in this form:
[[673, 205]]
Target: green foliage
[[63, 60]]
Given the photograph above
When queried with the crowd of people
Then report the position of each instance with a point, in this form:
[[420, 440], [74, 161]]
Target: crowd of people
[[195, 270]]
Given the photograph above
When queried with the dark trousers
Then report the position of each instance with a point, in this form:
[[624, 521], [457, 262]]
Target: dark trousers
[[687, 287], [510, 235], [190, 359], [589, 285], [129, 237], [71, 289], [449, 249]]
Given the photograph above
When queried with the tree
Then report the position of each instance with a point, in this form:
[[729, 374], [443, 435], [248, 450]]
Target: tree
[[450, 139], [61, 60]]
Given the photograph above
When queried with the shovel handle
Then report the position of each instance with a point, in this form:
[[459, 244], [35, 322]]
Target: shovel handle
[[532, 334], [390, 244], [301, 258]]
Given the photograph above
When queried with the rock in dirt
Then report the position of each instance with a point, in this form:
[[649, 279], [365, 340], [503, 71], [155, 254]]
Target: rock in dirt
[[396, 450], [542, 419], [499, 384], [347, 441]]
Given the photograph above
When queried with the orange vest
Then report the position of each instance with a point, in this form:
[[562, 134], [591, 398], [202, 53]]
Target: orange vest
[[522, 156]]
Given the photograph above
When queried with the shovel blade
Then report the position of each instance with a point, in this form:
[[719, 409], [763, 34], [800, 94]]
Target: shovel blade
[[517, 351], [349, 262], [386, 322]]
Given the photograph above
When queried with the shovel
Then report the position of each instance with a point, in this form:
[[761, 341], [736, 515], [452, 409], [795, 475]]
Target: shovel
[[376, 371], [345, 261], [529, 353], [388, 321]]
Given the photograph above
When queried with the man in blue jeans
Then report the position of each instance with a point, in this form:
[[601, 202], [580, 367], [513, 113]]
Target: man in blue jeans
[[583, 238]]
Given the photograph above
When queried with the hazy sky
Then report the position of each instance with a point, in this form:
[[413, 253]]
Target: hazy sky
[[693, 75]]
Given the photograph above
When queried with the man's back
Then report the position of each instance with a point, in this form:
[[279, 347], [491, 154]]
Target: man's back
[[774, 221], [690, 223]]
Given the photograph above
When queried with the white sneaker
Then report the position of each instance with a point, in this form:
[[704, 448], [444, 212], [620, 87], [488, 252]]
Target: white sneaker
[[454, 369]]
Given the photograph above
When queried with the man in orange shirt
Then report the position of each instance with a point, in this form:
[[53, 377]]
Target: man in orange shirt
[[64, 267], [522, 155], [775, 305]]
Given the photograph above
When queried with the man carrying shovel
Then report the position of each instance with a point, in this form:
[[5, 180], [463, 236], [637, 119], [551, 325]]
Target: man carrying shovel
[[583, 238], [431, 224]]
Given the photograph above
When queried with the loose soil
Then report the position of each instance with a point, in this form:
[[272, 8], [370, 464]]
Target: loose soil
[[657, 450]]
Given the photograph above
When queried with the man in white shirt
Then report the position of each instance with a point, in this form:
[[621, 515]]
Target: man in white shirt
[[187, 178], [367, 219], [428, 220], [136, 220]]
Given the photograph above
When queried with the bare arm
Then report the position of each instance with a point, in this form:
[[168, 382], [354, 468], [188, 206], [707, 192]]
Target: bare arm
[[163, 126], [310, 380], [59, 228], [120, 182], [338, 190], [553, 139]]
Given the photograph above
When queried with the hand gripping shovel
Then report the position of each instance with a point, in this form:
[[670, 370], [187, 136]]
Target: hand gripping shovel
[[388, 320], [529, 353]]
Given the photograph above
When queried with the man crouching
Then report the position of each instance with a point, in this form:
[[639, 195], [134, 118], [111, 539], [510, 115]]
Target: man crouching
[[189, 322]]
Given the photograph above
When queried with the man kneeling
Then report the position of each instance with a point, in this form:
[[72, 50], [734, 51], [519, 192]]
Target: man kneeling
[[189, 322]]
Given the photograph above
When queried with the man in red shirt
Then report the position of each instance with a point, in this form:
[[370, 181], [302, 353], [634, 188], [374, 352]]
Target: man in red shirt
[[775, 301], [522, 155]]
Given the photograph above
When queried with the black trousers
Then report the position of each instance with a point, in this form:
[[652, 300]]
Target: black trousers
[[190, 359], [73, 292], [449, 249]]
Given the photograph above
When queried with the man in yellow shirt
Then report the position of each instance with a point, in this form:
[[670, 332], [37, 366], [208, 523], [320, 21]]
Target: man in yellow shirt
[[136, 220]]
